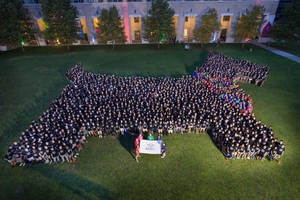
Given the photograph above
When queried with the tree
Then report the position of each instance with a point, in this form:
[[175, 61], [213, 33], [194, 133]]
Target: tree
[[288, 26], [15, 24], [110, 27], [159, 25], [28, 30], [209, 24], [249, 24], [60, 19]]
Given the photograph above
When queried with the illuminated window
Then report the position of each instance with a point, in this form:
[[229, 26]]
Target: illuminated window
[[226, 18], [136, 19]]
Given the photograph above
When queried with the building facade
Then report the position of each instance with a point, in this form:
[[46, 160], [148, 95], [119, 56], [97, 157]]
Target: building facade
[[281, 6], [187, 16]]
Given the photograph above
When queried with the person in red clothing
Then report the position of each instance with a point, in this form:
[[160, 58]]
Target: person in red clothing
[[136, 142], [137, 153]]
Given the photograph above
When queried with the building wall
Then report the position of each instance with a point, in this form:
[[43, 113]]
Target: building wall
[[234, 8], [281, 6]]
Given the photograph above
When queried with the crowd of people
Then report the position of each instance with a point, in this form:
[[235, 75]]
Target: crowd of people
[[100, 104], [222, 66], [228, 90], [237, 133]]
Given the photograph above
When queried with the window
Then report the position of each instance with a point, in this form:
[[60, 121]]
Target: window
[[226, 18], [136, 19], [186, 19]]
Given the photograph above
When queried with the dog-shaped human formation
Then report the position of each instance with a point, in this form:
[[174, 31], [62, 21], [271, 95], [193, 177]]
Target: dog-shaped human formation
[[101, 104]]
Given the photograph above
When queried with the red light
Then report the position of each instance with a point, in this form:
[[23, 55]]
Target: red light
[[126, 21]]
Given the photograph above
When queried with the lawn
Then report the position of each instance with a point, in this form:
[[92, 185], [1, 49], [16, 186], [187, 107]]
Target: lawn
[[193, 169], [290, 47]]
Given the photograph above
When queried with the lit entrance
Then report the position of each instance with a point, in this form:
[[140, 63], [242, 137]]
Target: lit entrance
[[189, 26], [225, 27], [136, 29]]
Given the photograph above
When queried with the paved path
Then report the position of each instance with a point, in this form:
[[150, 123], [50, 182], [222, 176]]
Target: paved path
[[278, 52]]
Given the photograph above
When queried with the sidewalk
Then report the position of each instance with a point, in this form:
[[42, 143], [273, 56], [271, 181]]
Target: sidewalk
[[278, 52]]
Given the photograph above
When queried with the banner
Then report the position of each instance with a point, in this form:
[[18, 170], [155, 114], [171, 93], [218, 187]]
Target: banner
[[150, 146]]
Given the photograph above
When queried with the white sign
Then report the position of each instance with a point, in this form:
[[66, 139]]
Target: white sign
[[150, 147]]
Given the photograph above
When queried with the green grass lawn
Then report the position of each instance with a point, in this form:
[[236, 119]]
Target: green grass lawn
[[193, 169], [290, 47]]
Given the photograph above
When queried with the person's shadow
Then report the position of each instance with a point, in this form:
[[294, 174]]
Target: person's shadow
[[127, 142]]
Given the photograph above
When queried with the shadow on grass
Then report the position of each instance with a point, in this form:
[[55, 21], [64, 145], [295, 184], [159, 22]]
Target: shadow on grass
[[75, 183], [191, 68], [127, 142], [209, 133]]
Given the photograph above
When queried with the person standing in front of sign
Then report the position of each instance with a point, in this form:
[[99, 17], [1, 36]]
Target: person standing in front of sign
[[140, 137], [137, 153], [159, 139], [163, 150], [137, 148], [136, 142], [150, 137]]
